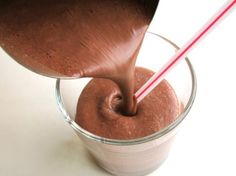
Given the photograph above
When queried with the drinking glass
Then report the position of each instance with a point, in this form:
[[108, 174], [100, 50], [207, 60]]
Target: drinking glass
[[142, 155]]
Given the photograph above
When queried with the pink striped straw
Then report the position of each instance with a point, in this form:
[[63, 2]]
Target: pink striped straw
[[181, 53]]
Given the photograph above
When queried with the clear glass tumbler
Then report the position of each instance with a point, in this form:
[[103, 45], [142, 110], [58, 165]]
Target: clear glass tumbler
[[143, 155]]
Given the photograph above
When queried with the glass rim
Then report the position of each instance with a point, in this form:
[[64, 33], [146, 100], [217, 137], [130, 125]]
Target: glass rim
[[141, 140]]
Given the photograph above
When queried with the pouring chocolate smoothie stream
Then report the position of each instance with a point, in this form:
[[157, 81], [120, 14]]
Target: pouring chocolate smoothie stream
[[91, 38]]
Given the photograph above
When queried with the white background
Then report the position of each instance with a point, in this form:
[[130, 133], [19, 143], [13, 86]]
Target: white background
[[35, 140]]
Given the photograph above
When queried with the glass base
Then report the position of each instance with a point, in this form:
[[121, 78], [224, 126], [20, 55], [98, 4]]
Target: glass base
[[134, 172]]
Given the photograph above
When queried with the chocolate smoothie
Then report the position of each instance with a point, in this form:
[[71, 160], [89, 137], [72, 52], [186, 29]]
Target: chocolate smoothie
[[98, 109], [91, 38]]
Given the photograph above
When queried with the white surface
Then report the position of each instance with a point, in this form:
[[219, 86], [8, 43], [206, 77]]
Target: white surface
[[35, 140]]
